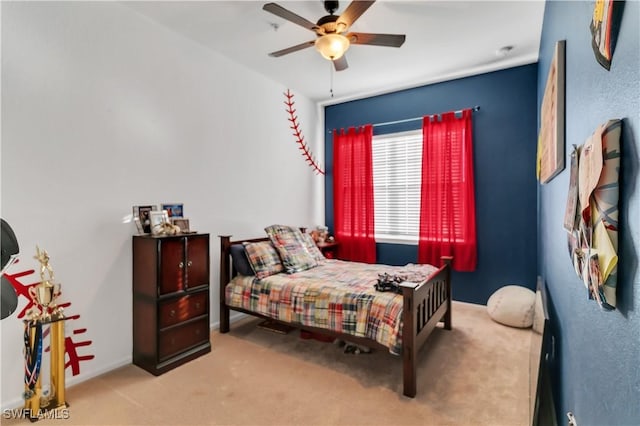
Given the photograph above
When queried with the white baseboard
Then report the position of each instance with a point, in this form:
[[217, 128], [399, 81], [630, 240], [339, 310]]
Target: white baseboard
[[236, 316], [71, 381]]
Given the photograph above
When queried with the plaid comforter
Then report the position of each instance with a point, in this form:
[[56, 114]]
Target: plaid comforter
[[337, 295]]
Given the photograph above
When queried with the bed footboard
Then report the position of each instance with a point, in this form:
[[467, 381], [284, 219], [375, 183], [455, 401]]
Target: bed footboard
[[424, 305]]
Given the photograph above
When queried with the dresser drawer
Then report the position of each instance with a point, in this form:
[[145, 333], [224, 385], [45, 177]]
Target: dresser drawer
[[179, 310], [181, 338]]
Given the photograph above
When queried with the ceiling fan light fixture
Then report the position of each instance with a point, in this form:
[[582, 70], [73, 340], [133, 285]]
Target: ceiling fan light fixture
[[332, 46]]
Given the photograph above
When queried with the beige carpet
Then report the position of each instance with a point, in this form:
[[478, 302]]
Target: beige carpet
[[475, 374]]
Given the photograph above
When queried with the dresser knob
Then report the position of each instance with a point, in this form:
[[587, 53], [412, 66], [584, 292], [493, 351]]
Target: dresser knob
[[197, 305], [189, 263], [181, 265], [172, 313]]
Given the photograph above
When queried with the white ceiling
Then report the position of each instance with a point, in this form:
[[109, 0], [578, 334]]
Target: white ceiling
[[445, 40]]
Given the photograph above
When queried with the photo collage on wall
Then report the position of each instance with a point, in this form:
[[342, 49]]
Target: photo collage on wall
[[591, 216]]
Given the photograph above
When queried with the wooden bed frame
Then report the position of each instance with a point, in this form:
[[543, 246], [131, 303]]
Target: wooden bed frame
[[424, 305]]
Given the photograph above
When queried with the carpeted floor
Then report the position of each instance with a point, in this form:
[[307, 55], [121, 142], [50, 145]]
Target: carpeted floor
[[475, 374]]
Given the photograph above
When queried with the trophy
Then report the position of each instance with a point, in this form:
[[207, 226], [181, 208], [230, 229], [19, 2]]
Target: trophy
[[42, 294], [44, 312], [46, 292]]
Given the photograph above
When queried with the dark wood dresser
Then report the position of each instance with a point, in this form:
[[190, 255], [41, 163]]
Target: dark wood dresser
[[170, 300]]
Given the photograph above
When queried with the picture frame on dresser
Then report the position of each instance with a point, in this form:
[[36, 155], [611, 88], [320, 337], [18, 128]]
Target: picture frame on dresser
[[182, 223], [173, 209], [143, 215], [157, 218], [138, 224]]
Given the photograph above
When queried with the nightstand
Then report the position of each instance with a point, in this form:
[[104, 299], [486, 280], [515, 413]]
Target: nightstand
[[329, 249]]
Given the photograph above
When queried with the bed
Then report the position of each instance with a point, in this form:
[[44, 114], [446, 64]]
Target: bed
[[337, 298]]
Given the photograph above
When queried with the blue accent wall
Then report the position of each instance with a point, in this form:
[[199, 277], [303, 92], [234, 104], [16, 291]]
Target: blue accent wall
[[597, 363], [505, 139]]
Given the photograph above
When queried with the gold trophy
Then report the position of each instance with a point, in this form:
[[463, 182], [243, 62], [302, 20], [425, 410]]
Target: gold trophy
[[45, 311], [46, 292], [42, 294]]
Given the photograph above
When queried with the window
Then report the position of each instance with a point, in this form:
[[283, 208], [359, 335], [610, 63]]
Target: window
[[397, 166]]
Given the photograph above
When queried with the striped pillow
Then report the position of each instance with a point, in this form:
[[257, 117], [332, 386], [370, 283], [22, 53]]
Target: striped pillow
[[263, 258], [289, 242]]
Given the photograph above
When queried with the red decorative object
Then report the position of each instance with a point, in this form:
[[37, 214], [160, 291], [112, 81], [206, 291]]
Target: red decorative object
[[72, 342], [447, 206], [295, 126], [353, 194]]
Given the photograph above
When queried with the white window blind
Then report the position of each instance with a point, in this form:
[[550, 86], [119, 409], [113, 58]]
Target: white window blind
[[397, 166]]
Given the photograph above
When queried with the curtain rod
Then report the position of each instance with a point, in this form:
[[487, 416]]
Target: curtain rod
[[406, 120]]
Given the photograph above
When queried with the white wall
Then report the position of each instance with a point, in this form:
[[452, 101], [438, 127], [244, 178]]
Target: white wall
[[103, 109]]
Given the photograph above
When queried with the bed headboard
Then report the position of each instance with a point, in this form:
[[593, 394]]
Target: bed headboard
[[227, 270]]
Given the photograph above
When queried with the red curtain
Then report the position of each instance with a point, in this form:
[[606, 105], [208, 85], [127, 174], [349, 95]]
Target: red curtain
[[353, 194], [447, 206]]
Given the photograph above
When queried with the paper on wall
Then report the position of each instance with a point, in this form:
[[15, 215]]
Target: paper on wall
[[589, 171]]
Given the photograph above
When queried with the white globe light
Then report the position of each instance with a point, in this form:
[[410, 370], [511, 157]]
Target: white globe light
[[332, 46]]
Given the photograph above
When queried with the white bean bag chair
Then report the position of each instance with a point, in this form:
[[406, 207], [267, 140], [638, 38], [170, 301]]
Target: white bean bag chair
[[512, 305]]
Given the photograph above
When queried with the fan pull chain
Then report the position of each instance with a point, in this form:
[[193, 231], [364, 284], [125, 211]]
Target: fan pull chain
[[331, 78]]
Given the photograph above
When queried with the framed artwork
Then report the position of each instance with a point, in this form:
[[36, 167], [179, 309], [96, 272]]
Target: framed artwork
[[143, 215], [139, 228], [182, 223], [156, 219], [173, 210], [551, 140]]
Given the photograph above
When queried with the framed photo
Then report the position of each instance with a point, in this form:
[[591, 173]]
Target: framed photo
[[156, 219], [173, 210], [143, 215], [182, 223], [550, 157], [136, 221]]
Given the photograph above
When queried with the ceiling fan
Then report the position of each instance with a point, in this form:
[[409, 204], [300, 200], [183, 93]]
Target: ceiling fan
[[333, 38]]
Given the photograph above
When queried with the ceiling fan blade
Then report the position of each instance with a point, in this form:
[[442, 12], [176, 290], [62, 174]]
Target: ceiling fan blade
[[353, 12], [341, 64], [292, 49], [289, 16], [389, 40]]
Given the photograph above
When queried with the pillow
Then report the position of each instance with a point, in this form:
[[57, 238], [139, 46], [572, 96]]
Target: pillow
[[263, 258], [512, 305], [312, 248], [538, 314], [289, 242], [240, 262]]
